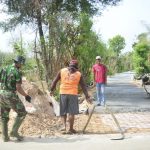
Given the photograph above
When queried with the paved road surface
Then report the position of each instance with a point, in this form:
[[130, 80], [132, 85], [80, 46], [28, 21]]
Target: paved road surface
[[123, 95]]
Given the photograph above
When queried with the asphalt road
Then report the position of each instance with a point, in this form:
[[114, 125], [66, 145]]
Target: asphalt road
[[123, 95]]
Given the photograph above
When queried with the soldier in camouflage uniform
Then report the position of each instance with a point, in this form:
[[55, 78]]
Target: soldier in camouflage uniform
[[11, 80]]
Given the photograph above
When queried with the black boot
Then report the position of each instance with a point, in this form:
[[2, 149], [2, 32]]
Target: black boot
[[5, 136], [14, 133]]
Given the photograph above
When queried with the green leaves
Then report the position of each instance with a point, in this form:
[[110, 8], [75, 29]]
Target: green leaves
[[27, 11], [116, 44], [6, 58], [141, 56], [68, 35]]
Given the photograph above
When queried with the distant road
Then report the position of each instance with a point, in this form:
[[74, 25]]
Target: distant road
[[123, 95]]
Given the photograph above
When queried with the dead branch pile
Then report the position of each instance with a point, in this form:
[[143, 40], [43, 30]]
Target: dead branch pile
[[41, 119]]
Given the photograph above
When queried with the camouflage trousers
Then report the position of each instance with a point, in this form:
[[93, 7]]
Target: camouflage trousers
[[8, 101]]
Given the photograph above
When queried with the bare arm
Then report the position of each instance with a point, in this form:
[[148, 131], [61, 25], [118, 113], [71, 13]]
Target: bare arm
[[93, 73], [84, 88], [106, 78], [53, 85], [93, 78], [106, 75]]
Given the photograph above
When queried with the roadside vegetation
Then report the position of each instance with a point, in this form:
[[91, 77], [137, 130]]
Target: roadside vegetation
[[63, 31]]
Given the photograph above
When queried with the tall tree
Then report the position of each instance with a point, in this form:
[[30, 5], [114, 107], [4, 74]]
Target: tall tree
[[41, 14], [88, 45], [116, 44]]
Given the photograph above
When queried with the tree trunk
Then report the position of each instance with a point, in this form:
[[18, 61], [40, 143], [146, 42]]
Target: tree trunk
[[42, 43]]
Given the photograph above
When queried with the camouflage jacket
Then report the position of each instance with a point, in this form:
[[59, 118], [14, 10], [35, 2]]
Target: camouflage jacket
[[9, 76]]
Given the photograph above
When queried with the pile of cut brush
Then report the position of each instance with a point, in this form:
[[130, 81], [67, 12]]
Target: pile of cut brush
[[43, 111]]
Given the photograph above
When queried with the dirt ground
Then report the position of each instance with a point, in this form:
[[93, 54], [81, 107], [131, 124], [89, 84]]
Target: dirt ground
[[44, 123]]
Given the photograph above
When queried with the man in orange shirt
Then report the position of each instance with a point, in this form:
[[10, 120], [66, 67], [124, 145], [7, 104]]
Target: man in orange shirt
[[69, 78]]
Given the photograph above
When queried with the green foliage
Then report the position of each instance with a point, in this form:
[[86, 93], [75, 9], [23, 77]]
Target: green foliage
[[31, 71], [125, 62], [143, 38], [6, 58], [110, 61], [27, 11], [116, 44], [30, 64], [18, 50], [140, 57], [64, 39], [89, 46]]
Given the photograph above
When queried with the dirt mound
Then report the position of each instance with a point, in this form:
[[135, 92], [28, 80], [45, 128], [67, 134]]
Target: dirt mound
[[40, 102], [40, 125], [41, 118]]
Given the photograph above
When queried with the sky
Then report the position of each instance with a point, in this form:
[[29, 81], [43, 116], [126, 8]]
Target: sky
[[127, 19], [7, 38]]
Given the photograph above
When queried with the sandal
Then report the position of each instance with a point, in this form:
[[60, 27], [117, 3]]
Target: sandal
[[71, 131]]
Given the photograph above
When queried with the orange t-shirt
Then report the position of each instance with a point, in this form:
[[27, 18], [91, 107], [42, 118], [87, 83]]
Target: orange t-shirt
[[69, 82]]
